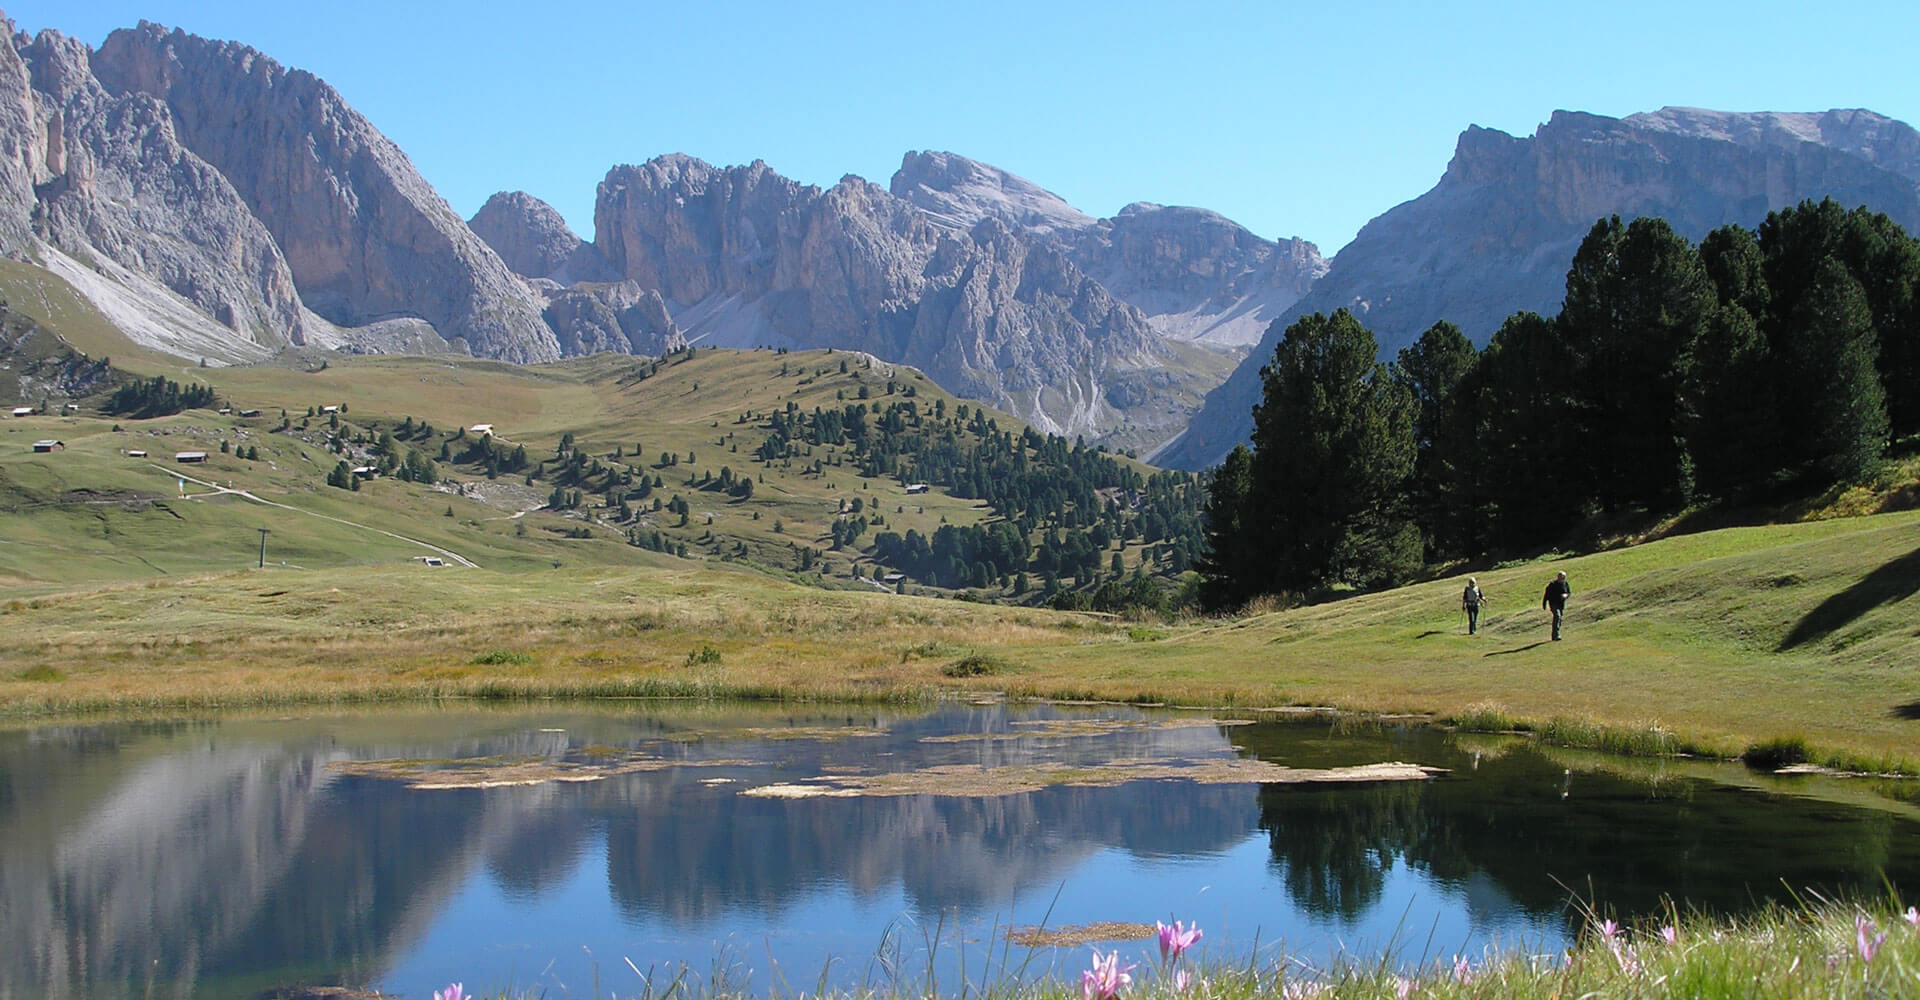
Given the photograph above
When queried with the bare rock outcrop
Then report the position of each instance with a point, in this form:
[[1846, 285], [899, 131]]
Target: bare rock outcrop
[[534, 241], [113, 184], [620, 316], [957, 194], [1195, 274], [1496, 234], [365, 237], [746, 257]]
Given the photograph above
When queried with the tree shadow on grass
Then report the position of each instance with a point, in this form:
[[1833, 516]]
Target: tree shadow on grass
[[1910, 710], [1517, 649], [1894, 580]]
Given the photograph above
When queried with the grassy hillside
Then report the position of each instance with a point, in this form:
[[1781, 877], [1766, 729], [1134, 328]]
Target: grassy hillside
[[660, 435]]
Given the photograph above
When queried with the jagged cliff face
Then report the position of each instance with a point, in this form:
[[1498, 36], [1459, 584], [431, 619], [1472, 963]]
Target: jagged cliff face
[[746, 257], [1496, 234], [109, 183], [213, 204], [1194, 274], [534, 241], [365, 236]]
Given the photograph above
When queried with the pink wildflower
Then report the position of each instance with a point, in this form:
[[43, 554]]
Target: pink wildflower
[[1462, 969], [1608, 931], [1669, 934], [454, 991], [1182, 979], [1402, 987], [1866, 940], [1175, 939], [1106, 978], [1913, 915]]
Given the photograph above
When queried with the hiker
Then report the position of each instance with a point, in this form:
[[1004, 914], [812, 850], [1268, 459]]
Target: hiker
[[1470, 600], [1555, 599]]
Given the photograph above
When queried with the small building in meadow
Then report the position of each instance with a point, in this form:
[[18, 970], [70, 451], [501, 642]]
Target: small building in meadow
[[136, 453], [915, 488], [480, 429], [190, 457], [23, 411], [249, 413], [366, 472], [47, 446]]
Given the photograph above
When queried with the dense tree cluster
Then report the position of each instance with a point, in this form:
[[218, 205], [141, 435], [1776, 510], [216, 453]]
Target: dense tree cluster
[[157, 397], [1061, 507], [1752, 367]]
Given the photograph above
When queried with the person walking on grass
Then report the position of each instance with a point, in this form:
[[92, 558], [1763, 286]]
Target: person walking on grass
[[1555, 600], [1470, 601]]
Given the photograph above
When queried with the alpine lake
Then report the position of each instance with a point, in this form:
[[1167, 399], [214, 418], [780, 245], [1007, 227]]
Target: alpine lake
[[601, 849]]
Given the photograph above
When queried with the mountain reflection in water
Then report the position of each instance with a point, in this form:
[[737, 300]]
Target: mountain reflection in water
[[228, 858]]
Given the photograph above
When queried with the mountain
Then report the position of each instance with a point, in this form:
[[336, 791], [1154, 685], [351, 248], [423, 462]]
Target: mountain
[[214, 203], [1496, 234], [745, 257], [1194, 274]]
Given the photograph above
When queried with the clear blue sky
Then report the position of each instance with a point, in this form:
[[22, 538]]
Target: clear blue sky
[[1293, 119]]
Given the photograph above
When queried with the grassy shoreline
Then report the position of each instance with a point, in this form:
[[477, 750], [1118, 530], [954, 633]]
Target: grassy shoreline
[[1820, 948], [1795, 636]]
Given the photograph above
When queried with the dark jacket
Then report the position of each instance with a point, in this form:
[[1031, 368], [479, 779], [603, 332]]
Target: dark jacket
[[1556, 595]]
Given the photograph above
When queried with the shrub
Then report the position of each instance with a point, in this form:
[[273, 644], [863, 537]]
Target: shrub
[[1776, 753], [501, 657], [975, 665]]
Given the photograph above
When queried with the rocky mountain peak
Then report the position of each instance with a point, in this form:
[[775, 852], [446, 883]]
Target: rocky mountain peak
[[367, 238], [534, 240], [1879, 140], [957, 192]]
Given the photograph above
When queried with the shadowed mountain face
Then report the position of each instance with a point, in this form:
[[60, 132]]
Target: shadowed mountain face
[[1496, 234]]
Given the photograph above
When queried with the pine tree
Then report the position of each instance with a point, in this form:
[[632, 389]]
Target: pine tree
[[1836, 415], [1333, 453]]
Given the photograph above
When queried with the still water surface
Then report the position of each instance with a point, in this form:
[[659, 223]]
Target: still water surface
[[238, 857]]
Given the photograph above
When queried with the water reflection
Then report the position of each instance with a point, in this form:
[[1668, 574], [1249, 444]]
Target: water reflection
[[228, 858]]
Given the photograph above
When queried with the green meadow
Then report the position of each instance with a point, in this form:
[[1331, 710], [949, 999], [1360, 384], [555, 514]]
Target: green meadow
[[122, 591]]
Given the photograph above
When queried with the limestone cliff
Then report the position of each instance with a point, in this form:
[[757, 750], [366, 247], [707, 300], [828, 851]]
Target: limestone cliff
[[112, 188], [1194, 274], [746, 257], [534, 241], [365, 237]]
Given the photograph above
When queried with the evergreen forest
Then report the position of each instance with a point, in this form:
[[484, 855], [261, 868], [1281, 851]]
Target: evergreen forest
[[1750, 369]]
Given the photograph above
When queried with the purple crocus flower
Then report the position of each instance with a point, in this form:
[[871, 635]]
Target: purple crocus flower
[[1866, 940], [1175, 938], [454, 991], [1105, 979]]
